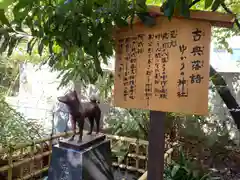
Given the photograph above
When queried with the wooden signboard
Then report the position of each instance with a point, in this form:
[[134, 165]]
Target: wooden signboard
[[165, 67]]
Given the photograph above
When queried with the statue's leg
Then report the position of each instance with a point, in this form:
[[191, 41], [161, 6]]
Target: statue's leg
[[97, 119], [73, 122], [91, 120], [66, 123], [80, 126]]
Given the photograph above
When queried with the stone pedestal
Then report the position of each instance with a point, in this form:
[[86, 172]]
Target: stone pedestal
[[88, 160]]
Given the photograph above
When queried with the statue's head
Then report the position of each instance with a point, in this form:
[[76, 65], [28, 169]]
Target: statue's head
[[71, 100]]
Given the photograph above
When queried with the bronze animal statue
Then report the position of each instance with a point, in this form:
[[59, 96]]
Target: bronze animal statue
[[91, 111]]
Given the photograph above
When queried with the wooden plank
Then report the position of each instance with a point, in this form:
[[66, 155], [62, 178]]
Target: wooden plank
[[169, 152], [156, 146], [165, 67], [216, 19]]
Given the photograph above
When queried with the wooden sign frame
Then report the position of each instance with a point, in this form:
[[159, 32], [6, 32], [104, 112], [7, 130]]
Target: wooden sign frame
[[171, 73], [156, 132], [216, 19]]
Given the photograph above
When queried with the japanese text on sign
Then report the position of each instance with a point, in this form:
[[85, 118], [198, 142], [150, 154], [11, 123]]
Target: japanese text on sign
[[164, 68]]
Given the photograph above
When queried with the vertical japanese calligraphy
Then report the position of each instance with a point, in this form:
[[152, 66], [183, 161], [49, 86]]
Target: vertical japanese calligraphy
[[133, 69], [163, 77], [149, 70], [165, 67], [164, 41], [182, 82], [197, 52], [119, 51]]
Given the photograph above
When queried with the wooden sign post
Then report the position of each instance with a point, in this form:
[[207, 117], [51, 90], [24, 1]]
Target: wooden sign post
[[164, 68]]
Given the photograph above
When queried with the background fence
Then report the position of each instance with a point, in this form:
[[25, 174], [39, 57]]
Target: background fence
[[31, 160]]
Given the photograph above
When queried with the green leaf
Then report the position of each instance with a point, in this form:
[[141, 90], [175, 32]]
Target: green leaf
[[40, 47], [22, 8], [52, 61], [84, 33], [207, 3], [107, 46], [50, 47], [11, 45], [31, 26], [184, 8], [98, 66], [3, 18], [31, 44], [20, 16], [5, 43], [206, 176], [87, 7], [91, 48], [175, 170], [169, 8], [141, 5], [182, 159], [147, 19], [5, 3], [121, 22], [216, 5], [132, 19]]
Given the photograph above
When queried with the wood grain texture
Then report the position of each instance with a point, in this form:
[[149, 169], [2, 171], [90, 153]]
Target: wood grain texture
[[197, 100]]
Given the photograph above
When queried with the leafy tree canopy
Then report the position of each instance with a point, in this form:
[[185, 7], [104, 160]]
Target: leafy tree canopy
[[77, 34], [78, 30]]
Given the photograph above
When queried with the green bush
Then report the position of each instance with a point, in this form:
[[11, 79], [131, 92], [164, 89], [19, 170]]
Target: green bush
[[14, 128], [184, 170]]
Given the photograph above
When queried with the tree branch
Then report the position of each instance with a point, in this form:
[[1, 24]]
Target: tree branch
[[230, 12], [224, 7], [193, 3], [226, 95], [223, 90]]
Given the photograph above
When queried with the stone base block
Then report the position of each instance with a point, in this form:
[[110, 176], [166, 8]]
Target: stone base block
[[89, 160]]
